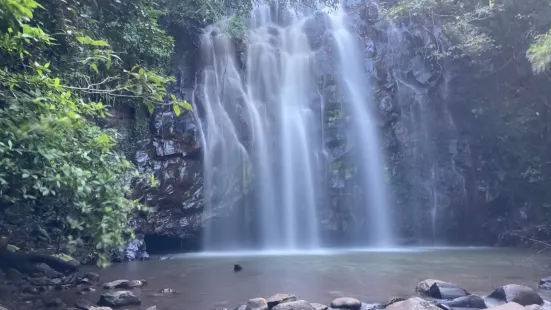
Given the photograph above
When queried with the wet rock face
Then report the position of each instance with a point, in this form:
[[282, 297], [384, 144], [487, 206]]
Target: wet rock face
[[172, 154]]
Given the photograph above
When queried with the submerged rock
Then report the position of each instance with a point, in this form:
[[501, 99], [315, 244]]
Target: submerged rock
[[443, 290], [414, 303], [136, 283], [346, 303], [295, 305], [237, 267], [94, 277], [119, 299], [165, 291], [520, 294], [279, 299], [116, 284], [257, 304], [471, 301]]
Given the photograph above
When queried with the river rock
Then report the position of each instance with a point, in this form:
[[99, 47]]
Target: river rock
[[84, 304], [136, 283], [279, 299], [257, 304], [119, 299], [414, 303], [443, 290], [55, 303], [319, 306], [545, 283], [520, 294], [295, 305], [165, 291], [152, 308], [533, 307], [101, 308], [116, 284], [470, 301], [242, 307], [424, 286], [94, 277], [346, 303]]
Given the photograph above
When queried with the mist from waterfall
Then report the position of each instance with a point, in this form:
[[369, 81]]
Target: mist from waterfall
[[262, 135]]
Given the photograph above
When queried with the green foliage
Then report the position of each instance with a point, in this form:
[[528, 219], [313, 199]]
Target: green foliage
[[539, 53], [53, 160], [481, 30]]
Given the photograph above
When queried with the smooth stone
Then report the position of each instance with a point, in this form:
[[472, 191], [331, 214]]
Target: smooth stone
[[446, 291], [257, 304], [509, 306], [136, 283], [119, 299], [279, 299], [545, 280], [152, 308], [545, 286], [84, 304], [319, 306], [346, 303], [533, 307], [3, 308], [94, 277], [471, 301], [294, 305], [165, 291], [242, 307], [520, 294], [12, 248], [424, 286], [414, 303], [116, 284]]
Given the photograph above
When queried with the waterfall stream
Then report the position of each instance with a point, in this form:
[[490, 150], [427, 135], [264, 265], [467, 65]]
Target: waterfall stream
[[262, 133]]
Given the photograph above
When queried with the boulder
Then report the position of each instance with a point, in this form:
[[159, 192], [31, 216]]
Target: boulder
[[279, 299], [443, 290], [319, 306], [533, 307], [346, 303], [257, 304], [295, 305], [424, 286], [470, 301], [116, 284], [520, 294], [414, 303], [119, 299]]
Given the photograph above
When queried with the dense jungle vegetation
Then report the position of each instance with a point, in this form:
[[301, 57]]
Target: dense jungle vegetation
[[66, 63]]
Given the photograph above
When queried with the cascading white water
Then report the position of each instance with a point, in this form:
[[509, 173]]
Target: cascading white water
[[263, 139], [363, 131], [271, 98]]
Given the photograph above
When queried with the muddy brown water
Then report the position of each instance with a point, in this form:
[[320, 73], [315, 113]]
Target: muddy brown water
[[204, 282]]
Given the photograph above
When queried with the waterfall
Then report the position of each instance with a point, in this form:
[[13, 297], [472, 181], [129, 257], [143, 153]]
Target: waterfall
[[363, 131], [262, 135]]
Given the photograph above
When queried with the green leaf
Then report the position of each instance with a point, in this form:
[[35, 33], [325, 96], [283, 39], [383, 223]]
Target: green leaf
[[56, 82], [94, 67], [150, 107], [103, 138], [176, 109], [187, 106]]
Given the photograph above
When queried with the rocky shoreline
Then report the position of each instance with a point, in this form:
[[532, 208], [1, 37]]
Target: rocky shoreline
[[429, 294]]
